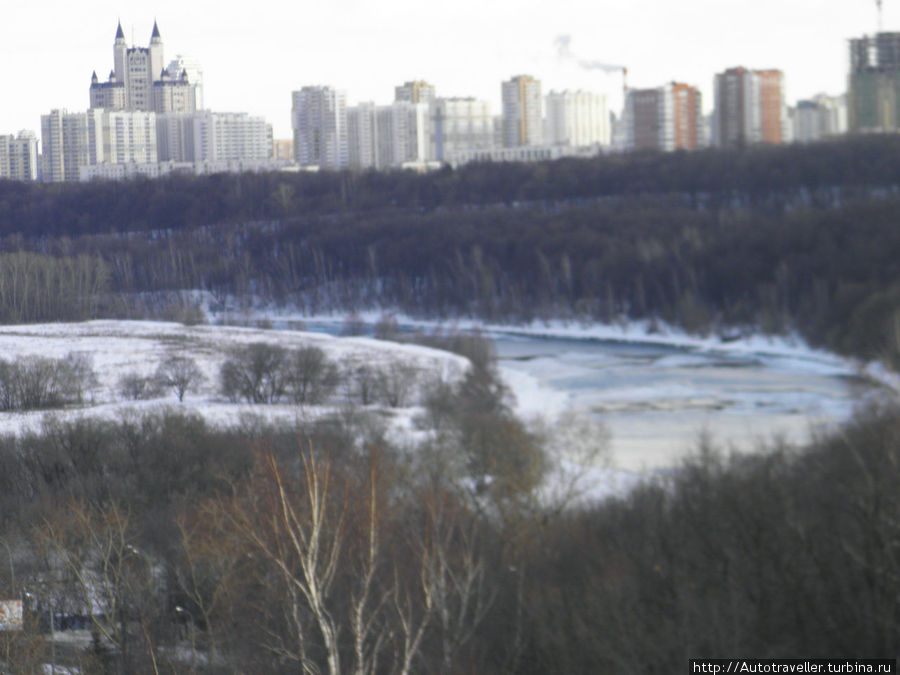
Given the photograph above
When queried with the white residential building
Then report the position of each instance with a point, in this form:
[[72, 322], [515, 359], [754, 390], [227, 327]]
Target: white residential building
[[459, 124], [524, 153], [319, 122], [207, 136], [64, 145], [576, 118], [362, 136], [71, 141], [18, 156], [408, 132], [190, 67], [819, 118]]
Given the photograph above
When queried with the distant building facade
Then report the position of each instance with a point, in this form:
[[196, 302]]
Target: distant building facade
[[207, 136], [71, 141], [648, 120], [401, 134], [522, 111], [362, 136], [873, 87], [750, 108], [182, 66], [524, 153], [687, 117], [576, 118], [665, 118], [139, 80], [18, 156], [820, 118], [459, 124], [416, 91], [319, 123]]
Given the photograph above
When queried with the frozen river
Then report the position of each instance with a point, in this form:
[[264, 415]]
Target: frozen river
[[656, 399], [658, 393]]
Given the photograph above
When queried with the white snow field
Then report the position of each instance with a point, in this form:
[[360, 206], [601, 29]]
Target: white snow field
[[117, 348]]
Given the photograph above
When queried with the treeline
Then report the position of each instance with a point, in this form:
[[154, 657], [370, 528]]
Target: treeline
[[246, 550], [36, 287], [828, 273], [771, 177], [773, 239], [775, 554]]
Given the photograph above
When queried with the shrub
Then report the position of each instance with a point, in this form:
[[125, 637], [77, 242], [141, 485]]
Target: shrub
[[35, 382], [254, 373], [310, 376], [137, 387]]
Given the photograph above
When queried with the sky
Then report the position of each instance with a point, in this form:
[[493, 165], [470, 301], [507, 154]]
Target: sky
[[255, 53]]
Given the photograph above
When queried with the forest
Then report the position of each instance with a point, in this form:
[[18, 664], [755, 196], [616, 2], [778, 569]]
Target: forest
[[327, 548], [331, 546]]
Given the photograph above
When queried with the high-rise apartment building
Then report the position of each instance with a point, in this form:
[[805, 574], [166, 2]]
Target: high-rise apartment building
[[399, 135], [576, 118], [362, 136], [173, 94], [206, 136], [459, 124], [182, 66], [648, 119], [415, 91], [18, 156], [873, 87], [319, 122], [820, 118], [665, 118], [63, 145], [750, 108], [139, 80], [687, 117], [522, 111], [71, 141]]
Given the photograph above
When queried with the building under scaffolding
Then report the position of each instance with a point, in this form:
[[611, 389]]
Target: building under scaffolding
[[873, 89]]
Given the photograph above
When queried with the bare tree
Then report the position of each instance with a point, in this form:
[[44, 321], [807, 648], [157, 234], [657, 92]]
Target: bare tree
[[181, 373], [112, 580], [137, 387], [254, 372], [397, 383], [301, 537], [311, 376]]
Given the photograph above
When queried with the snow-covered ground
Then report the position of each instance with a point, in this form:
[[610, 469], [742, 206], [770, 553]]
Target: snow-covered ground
[[117, 348]]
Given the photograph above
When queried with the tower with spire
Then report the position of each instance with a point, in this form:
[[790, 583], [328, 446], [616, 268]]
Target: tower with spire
[[139, 81]]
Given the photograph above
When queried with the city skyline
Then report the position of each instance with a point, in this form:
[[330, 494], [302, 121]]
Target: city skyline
[[253, 60]]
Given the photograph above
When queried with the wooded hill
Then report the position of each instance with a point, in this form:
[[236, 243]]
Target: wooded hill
[[790, 238]]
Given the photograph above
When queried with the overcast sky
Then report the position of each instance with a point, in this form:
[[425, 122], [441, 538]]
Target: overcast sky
[[255, 53]]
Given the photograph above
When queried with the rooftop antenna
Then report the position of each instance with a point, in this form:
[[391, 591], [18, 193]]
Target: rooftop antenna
[[880, 17]]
